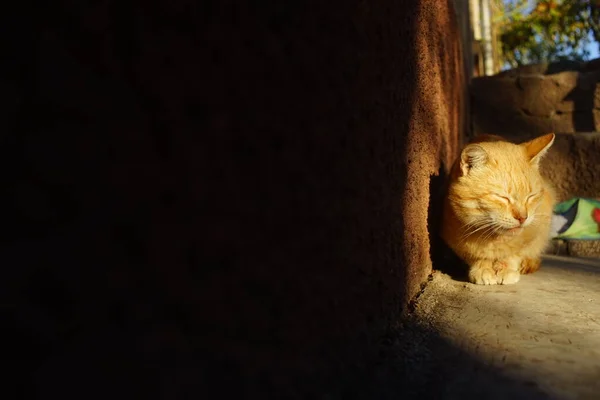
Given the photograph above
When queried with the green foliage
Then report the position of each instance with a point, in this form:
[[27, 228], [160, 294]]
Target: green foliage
[[547, 30]]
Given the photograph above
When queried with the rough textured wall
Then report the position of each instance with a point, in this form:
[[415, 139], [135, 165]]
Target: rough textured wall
[[572, 165], [216, 195], [537, 99]]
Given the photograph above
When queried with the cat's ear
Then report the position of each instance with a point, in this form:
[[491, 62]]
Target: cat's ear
[[472, 156], [536, 148]]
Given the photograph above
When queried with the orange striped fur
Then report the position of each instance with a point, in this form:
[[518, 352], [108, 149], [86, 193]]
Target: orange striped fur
[[498, 208]]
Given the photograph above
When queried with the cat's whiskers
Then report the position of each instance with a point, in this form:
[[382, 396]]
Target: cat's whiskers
[[476, 226], [494, 230], [483, 228]]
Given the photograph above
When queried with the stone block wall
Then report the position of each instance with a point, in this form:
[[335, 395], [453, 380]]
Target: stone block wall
[[537, 99], [573, 165]]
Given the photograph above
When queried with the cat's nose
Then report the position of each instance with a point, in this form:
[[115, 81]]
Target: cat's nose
[[521, 218]]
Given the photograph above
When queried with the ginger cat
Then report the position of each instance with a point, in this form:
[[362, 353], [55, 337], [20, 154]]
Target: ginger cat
[[498, 208]]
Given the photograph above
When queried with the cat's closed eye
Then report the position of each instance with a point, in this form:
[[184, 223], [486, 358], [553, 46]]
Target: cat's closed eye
[[503, 198], [532, 196]]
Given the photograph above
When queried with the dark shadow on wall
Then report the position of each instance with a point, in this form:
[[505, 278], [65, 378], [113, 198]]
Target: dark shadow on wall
[[437, 190], [202, 199], [443, 259], [582, 97]]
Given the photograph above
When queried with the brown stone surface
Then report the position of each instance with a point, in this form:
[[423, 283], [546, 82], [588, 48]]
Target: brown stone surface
[[584, 248], [573, 165], [575, 248], [538, 99], [215, 194]]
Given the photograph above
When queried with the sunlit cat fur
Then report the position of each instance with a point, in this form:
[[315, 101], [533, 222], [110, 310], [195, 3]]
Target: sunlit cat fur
[[498, 208]]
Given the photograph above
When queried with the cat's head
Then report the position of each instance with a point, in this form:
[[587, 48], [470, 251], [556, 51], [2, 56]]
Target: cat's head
[[498, 186]]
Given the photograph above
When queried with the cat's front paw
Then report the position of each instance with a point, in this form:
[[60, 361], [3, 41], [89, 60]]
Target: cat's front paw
[[482, 273], [506, 270], [508, 277]]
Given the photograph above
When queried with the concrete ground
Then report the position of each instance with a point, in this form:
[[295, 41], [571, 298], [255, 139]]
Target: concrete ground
[[539, 338]]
